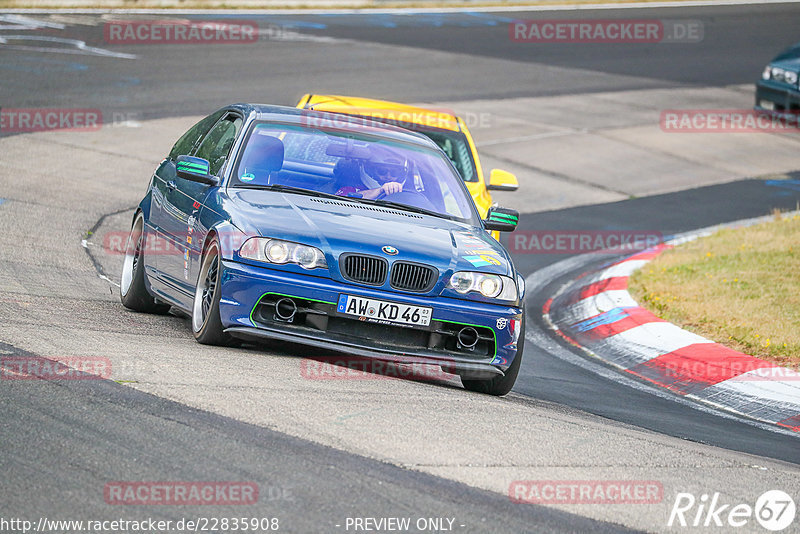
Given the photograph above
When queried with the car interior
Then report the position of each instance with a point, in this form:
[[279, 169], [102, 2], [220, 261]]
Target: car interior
[[271, 159]]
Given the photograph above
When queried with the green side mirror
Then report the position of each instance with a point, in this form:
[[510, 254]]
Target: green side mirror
[[195, 169], [501, 219]]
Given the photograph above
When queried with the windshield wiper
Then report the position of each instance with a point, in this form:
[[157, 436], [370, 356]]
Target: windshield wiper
[[401, 206], [288, 189], [313, 193]]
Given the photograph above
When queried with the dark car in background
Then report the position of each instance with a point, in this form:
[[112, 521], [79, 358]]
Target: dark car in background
[[778, 89]]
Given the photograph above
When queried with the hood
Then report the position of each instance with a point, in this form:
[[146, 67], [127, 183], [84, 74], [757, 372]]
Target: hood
[[791, 64], [342, 226], [792, 52]]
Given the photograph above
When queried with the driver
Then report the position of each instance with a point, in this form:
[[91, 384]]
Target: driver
[[379, 178]]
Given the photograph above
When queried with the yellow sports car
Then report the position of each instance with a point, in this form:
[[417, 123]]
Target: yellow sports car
[[445, 129]]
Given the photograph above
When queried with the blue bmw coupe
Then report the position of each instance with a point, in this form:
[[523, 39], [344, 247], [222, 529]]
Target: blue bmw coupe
[[331, 231]]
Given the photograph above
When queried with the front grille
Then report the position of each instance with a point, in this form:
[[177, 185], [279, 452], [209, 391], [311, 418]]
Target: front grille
[[364, 269], [315, 317], [413, 277]]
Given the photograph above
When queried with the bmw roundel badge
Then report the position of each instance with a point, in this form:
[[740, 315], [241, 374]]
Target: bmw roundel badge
[[390, 250]]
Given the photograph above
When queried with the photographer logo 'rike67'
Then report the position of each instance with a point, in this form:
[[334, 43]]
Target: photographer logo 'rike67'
[[774, 510]]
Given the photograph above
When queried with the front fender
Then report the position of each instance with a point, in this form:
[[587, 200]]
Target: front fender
[[144, 207], [229, 236]]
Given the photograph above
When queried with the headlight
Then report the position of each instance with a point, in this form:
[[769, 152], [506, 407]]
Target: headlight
[[767, 74], [489, 285], [306, 256], [277, 251], [280, 252], [462, 282], [781, 75]]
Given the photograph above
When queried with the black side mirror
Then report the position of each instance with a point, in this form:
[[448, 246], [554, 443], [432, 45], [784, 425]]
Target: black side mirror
[[501, 219], [196, 170]]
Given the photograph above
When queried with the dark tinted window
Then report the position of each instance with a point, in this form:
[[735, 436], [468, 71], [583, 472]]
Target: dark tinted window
[[190, 139], [455, 146], [217, 144], [452, 143]]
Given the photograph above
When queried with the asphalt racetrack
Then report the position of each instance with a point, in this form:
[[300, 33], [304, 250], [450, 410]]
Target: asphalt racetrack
[[577, 123]]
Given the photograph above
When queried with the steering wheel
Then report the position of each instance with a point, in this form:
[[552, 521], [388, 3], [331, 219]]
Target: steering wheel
[[412, 198], [383, 194]]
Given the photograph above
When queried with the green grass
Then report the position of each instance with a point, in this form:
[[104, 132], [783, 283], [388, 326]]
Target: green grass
[[739, 287]]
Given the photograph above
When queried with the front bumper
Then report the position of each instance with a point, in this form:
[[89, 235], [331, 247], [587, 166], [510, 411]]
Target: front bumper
[[777, 97], [249, 295]]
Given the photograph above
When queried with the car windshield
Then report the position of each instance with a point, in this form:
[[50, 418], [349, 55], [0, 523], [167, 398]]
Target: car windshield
[[452, 143], [355, 165]]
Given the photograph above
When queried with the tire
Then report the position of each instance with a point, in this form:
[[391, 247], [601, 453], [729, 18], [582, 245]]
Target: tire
[[132, 289], [500, 385], [206, 323]]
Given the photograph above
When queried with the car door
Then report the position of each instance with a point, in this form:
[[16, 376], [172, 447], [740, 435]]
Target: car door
[[165, 179], [184, 201]]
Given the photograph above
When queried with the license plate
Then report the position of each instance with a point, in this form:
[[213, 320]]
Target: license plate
[[379, 311]]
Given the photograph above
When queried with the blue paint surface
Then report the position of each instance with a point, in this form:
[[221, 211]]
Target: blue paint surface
[[1, 201], [128, 81], [43, 66], [794, 185]]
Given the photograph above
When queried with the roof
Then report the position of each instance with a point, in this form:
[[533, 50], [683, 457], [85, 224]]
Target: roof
[[386, 110], [333, 121]]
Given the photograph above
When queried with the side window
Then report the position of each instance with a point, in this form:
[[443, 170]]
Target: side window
[[465, 165], [458, 153], [217, 144], [189, 140]]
